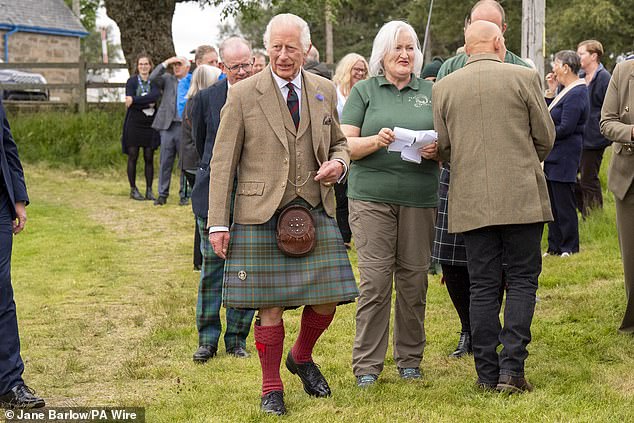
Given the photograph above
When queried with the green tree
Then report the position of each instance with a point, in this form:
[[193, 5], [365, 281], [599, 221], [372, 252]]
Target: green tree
[[608, 21]]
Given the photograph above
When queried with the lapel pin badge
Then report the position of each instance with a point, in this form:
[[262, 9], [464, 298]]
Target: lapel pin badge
[[319, 97], [327, 120], [627, 108]]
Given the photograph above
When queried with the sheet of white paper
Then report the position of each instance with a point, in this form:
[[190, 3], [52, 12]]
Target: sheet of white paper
[[408, 142], [411, 154], [403, 138]]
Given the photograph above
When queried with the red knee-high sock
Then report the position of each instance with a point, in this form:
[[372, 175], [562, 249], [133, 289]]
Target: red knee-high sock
[[269, 341], [313, 325]]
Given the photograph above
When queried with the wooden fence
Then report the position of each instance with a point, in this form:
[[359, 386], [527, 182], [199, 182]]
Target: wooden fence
[[79, 87]]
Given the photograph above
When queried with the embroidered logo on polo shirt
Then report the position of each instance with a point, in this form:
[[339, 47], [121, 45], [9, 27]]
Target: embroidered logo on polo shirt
[[420, 100]]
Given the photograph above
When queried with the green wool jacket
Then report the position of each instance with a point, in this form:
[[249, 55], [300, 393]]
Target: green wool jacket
[[457, 62]]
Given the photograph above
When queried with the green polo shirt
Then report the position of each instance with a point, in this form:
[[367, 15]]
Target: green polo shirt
[[383, 176], [458, 61]]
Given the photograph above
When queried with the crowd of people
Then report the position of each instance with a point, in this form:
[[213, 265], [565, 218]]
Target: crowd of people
[[286, 167]]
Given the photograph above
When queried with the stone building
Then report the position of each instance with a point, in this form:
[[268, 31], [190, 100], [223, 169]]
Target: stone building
[[42, 31]]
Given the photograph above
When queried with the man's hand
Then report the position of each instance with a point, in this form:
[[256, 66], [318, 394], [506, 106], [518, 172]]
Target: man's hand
[[220, 243], [171, 60], [329, 172], [128, 101], [20, 210]]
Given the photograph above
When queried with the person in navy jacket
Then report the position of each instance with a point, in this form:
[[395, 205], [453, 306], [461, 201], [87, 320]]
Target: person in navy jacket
[[13, 200], [597, 79], [569, 110]]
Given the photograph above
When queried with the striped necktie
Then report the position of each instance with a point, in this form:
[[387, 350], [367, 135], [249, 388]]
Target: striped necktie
[[292, 101]]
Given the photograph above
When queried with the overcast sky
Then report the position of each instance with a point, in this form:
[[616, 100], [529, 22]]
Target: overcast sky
[[191, 26]]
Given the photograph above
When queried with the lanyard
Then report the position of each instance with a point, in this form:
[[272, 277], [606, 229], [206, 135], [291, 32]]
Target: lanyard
[[143, 87]]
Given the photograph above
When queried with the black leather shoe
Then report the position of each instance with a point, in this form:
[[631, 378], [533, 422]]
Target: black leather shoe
[[135, 194], [183, 202], [273, 403], [160, 201], [21, 396], [513, 384], [238, 352], [464, 345], [314, 382], [149, 195], [204, 353]]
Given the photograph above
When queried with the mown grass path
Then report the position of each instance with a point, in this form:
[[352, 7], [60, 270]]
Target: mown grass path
[[106, 302]]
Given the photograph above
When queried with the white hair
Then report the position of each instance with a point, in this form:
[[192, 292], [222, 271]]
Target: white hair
[[385, 42], [232, 43], [288, 19], [203, 77]]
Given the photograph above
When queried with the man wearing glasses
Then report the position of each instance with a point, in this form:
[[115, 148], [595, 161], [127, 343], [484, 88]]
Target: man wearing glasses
[[236, 63]]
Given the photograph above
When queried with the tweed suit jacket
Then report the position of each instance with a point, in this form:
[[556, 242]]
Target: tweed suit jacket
[[617, 121], [252, 141], [168, 84], [494, 127], [11, 173]]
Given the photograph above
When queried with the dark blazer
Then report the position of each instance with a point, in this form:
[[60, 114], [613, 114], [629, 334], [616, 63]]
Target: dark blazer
[[592, 137], [189, 159], [12, 176], [139, 102], [570, 116], [205, 122], [168, 84]]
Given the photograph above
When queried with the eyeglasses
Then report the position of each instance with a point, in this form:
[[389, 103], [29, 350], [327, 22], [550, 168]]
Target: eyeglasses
[[236, 68], [360, 70]]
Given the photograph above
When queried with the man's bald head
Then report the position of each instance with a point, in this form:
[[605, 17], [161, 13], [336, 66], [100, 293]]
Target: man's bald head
[[484, 37], [488, 10]]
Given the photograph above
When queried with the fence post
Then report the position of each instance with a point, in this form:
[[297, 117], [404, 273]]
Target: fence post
[[82, 84]]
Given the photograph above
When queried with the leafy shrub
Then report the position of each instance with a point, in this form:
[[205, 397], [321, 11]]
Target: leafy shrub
[[91, 142]]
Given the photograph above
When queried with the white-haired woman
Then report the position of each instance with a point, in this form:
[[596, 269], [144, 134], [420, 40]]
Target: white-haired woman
[[392, 204], [204, 76], [351, 69]]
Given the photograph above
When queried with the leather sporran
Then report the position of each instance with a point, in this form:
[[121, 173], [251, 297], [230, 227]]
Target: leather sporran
[[296, 231]]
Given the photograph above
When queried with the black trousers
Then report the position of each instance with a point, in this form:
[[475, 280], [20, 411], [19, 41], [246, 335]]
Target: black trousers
[[589, 187], [198, 257], [11, 365], [563, 231], [458, 284], [341, 196], [456, 279], [518, 247]]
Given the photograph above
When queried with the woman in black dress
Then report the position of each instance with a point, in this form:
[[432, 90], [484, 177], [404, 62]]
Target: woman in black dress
[[140, 100]]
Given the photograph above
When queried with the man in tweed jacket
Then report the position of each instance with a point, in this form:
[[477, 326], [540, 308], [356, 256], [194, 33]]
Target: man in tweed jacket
[[279, 134], [495, 139]]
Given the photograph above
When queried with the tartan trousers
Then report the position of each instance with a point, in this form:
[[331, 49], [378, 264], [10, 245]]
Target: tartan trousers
[[210, 300]]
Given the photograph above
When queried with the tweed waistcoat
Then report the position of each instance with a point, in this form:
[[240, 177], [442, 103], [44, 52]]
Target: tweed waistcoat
[[303, 165]]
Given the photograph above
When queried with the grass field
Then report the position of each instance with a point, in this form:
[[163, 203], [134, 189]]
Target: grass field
[[106, 303]]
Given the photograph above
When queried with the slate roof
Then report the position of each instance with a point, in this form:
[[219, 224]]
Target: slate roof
[[42, 15]]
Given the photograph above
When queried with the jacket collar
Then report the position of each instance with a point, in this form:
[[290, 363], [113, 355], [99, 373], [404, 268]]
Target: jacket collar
[[483, 56]]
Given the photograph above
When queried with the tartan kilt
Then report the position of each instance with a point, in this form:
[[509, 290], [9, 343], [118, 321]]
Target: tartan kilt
[[272, 279], [448, 248]]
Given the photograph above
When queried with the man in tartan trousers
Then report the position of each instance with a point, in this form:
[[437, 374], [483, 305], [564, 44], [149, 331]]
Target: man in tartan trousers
[[236, 62], [279, 133]]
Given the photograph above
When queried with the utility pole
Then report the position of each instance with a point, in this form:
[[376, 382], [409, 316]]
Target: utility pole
[[533, 32], [329, 45]]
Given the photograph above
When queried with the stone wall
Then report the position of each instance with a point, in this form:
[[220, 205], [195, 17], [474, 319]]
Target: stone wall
[[32, 47]]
